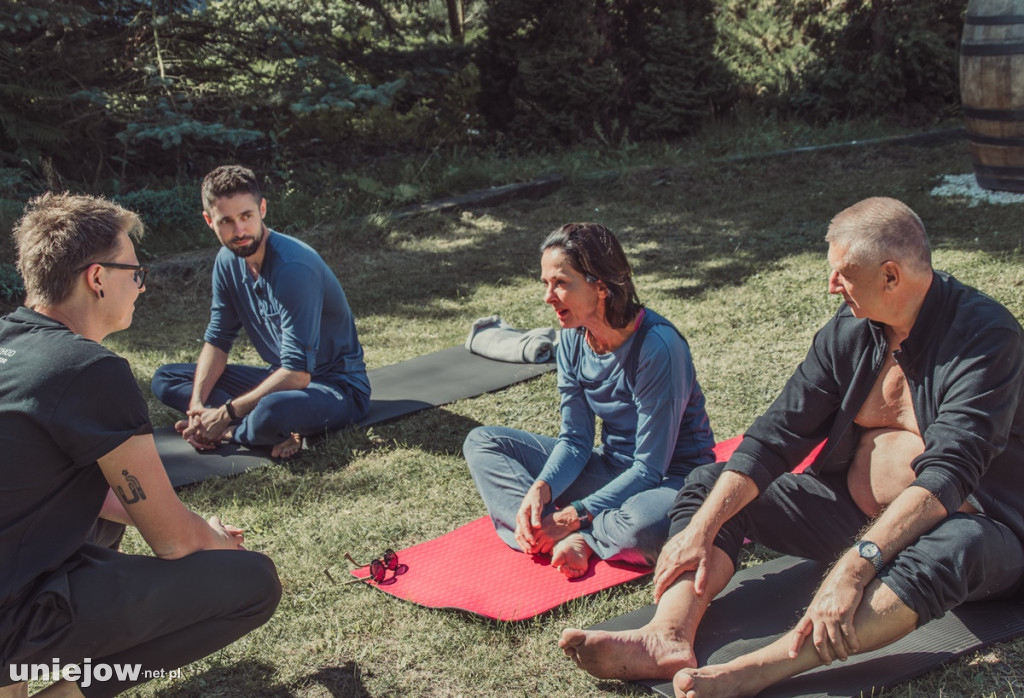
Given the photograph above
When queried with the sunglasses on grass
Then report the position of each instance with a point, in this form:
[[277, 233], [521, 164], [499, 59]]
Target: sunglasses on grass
[[378, 568]]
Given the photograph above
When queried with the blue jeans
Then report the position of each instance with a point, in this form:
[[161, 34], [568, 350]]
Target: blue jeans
[[316, 409], [505, 462]]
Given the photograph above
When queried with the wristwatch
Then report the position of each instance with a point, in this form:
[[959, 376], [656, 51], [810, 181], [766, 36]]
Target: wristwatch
[[581, 513], [870, 552], [230, 410]]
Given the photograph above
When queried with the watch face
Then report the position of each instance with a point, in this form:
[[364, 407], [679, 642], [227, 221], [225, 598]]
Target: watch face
[[868, 549]]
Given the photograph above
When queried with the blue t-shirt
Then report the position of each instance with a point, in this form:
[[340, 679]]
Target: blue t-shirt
[[657, 428], [295, 313]]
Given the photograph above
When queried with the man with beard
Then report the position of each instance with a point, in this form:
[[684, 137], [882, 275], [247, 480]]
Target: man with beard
[[295, 312]]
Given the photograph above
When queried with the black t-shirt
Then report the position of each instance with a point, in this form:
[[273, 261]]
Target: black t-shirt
[[65, 401]]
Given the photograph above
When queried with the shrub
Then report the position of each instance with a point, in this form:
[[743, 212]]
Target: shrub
[[11, 287], [172, 218], [565, 72], [882, 57], [579, 69]]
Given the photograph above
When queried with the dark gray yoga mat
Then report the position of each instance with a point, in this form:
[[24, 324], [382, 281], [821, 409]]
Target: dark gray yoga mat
[[409, 386], [185, 465], [436, 379], [763, 602]]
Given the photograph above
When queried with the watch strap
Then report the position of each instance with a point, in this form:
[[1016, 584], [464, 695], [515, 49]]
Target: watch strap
[[231, 410], [875, 559], [581, 513]]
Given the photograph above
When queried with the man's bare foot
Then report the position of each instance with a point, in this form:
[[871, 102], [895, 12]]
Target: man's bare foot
[[571, 555], [646, 653], [287, 448], [717, 680]]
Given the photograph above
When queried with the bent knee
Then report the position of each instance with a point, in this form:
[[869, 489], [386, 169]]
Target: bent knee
[[477, 440], [964, 558], [261, 582]]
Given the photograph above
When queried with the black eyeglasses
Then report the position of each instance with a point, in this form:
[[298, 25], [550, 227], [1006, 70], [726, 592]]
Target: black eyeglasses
[[378, 568], [139, 277]]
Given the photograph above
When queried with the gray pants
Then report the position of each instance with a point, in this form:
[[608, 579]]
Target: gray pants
[[505, 462], [121, 609], [966, 557]]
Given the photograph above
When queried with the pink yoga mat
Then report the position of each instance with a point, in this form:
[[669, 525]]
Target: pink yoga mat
[[471, 569]]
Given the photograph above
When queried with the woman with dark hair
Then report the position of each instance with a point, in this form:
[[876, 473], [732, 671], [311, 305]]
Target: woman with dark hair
[[629, 367]]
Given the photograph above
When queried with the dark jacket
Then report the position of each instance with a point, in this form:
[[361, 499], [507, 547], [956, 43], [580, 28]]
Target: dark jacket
[[964, 362]]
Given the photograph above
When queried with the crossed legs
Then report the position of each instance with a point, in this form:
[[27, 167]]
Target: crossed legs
[[662, 647], [821, 520], [505, 462], [280, 420], [881, 619]]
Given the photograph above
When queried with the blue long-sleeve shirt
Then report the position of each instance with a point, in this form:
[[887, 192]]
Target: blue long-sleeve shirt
[[655, 428], [295, 313]]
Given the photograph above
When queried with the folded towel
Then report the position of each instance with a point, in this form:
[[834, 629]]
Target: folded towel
[[494, 338]]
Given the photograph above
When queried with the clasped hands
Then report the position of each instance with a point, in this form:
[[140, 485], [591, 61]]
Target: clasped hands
[[536, 533], [206, 426]]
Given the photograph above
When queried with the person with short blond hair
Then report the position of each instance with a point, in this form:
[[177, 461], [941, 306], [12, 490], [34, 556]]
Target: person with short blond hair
[[80, 464]]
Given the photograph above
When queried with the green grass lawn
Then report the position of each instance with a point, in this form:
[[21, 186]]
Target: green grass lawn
[[732, 253]]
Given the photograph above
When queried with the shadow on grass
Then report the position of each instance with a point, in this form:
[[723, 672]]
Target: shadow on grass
[[436, 430], [343, 681]]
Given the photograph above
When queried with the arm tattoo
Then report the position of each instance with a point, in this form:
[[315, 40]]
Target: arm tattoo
[[134, 485]]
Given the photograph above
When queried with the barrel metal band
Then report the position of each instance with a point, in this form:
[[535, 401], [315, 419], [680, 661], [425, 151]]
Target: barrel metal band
[[992, 20], [996, 171], [1004, 49], [993, 114], [1007, 141]]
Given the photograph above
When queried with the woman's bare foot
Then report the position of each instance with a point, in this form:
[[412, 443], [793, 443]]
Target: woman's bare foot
[[647, 653], [571, 555], [287, 448]]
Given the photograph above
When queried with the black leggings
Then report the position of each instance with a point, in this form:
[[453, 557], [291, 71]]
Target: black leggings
[[965, 557], [132, 609]]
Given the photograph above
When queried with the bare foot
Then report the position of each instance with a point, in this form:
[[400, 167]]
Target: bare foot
[[571, 555], [181, 425], [287, 448], [717, 680], [646, 653]]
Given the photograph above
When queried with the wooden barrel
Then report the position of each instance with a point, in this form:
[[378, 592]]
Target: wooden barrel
[[992, 91]]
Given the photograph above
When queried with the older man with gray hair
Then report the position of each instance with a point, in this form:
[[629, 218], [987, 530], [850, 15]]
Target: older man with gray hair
[[917, 496]]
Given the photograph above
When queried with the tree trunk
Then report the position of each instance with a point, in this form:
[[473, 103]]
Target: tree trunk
[[455, 19]]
